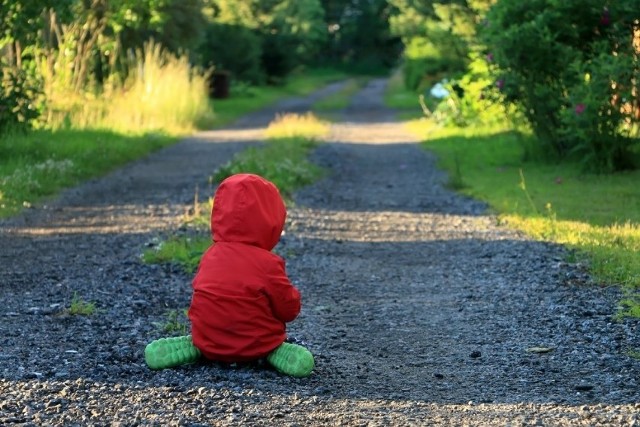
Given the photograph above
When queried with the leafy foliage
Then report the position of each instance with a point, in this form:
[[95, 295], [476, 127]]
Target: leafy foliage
[[220, 47], [438, 37], [360, 36], [20, 97], [283, 159], [573, 70]]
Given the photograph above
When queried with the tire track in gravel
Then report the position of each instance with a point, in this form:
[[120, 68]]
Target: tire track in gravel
[[419, 309]]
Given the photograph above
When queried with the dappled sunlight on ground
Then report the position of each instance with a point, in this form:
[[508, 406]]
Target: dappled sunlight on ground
[[390, 226], [116, 219]]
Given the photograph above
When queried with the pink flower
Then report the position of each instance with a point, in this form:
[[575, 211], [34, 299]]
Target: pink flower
[[580, 109], [500, 84], [489, 57], [605, 18]]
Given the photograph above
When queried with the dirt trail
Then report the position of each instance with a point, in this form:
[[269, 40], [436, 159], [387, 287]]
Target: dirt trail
[[419, 309]]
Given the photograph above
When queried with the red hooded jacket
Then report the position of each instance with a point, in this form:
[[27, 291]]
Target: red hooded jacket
[[242, 297]]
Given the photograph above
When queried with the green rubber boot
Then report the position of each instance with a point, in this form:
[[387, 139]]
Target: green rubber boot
[[292, 359], [170, 352]]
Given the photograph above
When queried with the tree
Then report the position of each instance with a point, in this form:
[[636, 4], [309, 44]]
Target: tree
[[359, 33], [303, 21]]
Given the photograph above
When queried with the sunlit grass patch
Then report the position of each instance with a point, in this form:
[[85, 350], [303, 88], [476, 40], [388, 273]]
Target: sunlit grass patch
[[42, 162], [283, 158], [613, 250], [596, 215], [297, 126], [163, 92], [282, 161]]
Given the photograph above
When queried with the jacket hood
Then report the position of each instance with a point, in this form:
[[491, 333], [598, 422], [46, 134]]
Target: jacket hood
[[248, 209]]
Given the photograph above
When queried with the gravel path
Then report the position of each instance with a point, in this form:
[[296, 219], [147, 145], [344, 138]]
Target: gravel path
[[419, 309]]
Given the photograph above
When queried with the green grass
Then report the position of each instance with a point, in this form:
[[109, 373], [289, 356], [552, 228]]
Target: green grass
[[184, 251], [176, 323], [42, 162], [342, 98], [79, 307], [282, 160], [597, 215], [399, 97]]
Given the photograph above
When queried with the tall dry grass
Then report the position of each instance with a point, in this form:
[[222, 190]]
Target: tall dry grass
[[162, 92]]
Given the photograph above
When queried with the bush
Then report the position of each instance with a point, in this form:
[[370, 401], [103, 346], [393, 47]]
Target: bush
[[233, 48], [425, 64], [471, 99], [20, 97], [573, 70], [277, 61]]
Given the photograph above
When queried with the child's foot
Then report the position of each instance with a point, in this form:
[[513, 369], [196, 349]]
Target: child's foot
[[170, 352], [292, 359]]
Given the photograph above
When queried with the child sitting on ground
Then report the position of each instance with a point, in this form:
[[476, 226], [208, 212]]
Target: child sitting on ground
[[242, 297]]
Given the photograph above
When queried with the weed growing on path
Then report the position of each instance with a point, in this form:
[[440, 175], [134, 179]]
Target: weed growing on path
[[635, 354], [79, 307], [184, 251], [176, 322], [282, 160]]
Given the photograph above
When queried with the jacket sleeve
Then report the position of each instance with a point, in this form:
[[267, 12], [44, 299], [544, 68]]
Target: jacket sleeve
[[284, 297]]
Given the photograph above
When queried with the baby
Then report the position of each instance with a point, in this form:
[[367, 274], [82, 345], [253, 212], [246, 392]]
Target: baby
[[242, 297]]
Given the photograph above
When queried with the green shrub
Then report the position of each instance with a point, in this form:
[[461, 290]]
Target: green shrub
[[424, 63], [571, 68], [233, 48], [277, 61], [20, 97]]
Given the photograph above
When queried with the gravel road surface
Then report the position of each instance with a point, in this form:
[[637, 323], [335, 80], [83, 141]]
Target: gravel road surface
[[419, 308]]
